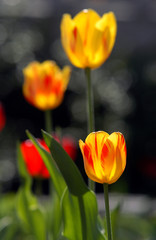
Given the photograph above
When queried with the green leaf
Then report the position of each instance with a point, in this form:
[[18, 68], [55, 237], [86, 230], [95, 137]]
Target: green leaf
[[80, 217], [22, 168], [55, 174], [79, 205], [114, 219], [31, 214], [67, 167], [54, 215], [57, 185], [28, 208]]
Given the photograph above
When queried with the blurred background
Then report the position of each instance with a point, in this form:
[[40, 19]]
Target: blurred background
[[124, 87]]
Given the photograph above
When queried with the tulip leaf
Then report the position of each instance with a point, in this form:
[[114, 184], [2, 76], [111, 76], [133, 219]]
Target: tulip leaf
[[66, 165], [28, 208], [80, 217], [55, 174], [54, 215], [79, 205], [57, 186], [31, 214], [22, 168]]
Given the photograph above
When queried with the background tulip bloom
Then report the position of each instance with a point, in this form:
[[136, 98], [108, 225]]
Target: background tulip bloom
[[88, 39], [33, 160], [104, 156], [2, 117], [45, 84]]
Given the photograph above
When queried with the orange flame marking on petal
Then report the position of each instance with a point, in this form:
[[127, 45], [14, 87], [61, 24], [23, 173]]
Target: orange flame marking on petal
[[86, 32], [73, 43], [75, 32], [58, 88], [47, 81], [122, 143], [88, 156], [104, 152], [105, 44], [96, 148], [122, 140]]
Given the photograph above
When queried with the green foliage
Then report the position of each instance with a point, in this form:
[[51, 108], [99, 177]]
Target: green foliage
[[79, 205], [134, 227], [28, 208], [70, 212], [67, 167], [56, 177]]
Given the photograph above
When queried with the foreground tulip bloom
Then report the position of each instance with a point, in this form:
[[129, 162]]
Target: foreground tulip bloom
[[104, 156], [2, 117], [45, 84], [88, 39], [33, 160]]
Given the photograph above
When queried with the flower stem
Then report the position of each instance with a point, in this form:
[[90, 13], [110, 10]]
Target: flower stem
[[90, 113], [108, 220], [90, 107], [48, 121]]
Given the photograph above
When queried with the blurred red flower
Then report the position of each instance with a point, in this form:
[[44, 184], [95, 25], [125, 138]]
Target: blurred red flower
[[33, 160], [2, 117]]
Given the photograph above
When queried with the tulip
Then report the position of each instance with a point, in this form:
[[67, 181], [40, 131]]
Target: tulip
[[88, 39], [33, 160], [45, 84], [2, 117], [104, 156]]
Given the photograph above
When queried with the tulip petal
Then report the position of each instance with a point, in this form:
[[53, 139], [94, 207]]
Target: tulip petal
[[108, 21], [72, 42], [120, 156], [85, 22], [104, 38], [92, 148]]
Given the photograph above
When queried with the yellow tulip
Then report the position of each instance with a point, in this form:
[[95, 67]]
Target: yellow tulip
[[104, 156], [88, 39], [45, 84]]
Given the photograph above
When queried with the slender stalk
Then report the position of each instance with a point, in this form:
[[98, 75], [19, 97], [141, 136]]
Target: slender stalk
[[48, 121], [90, 105], [108, 220], [90, 113], [49, 129]]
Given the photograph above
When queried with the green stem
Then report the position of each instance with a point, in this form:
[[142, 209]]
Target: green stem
[[48, 121], [90, 113], [108, 220], [90, 106]]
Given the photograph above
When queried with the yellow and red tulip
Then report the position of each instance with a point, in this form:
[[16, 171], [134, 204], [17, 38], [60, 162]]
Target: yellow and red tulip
[[88, 39], [45, 84], [104, 156]]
